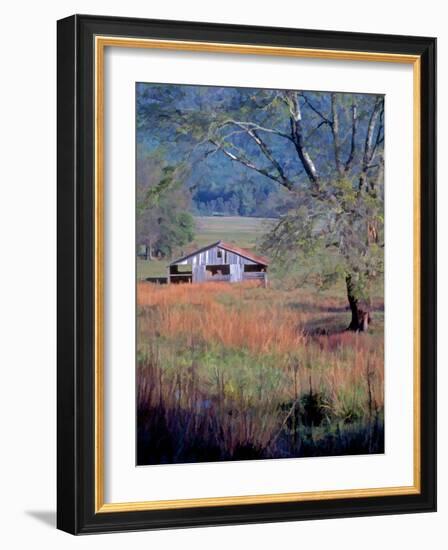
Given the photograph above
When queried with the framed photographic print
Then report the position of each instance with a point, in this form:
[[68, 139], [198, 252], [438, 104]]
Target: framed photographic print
[[246, 274]]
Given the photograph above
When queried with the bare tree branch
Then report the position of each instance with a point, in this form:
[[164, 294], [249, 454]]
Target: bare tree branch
[[380, 133], [325, 119], [253, 126], [369, 145], [251, 129], [268, 154], [334, 126], [249, 164], [295, 119], [351, 155]]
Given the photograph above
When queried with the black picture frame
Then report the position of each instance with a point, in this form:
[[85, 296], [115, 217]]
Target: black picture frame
[[76, 264]]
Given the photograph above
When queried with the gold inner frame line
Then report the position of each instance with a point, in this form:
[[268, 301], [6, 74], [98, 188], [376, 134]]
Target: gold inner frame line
[[101, 42]]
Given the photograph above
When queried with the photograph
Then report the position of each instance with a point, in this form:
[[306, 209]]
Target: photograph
[[259, 251]]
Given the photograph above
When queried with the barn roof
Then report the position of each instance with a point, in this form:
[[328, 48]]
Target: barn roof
[[243, 252], [225, 246]]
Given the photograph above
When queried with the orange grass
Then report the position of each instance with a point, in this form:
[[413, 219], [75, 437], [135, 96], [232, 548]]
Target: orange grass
[[256, 328], [186, 334]]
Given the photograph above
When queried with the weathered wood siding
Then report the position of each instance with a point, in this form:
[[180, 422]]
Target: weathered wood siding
[[210, 257], [199, 273], [236, 272]]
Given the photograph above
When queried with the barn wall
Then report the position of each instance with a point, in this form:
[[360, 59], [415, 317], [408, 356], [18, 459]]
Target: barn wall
[[236, 273], [199, 274], [210, 257]]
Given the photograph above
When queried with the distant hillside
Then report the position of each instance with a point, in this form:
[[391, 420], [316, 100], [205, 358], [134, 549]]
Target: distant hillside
[[236, 197]]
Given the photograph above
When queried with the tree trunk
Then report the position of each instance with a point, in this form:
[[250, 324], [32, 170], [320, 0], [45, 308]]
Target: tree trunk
[[360, 311], [150, 255]]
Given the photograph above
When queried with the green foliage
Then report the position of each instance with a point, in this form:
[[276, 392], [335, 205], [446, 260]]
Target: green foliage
[[163, 222], [344, 189], [339, 232], [155, 194], [176, 230]]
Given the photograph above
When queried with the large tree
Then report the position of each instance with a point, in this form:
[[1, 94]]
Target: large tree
[[337, 140]]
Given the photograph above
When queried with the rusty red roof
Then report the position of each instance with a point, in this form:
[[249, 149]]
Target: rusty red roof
[[243, 252]]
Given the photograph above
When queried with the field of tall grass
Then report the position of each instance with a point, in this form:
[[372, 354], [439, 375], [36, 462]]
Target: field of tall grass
[[236, 371]]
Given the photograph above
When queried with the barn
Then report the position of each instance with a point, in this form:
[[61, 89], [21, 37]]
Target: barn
[[219, 261]]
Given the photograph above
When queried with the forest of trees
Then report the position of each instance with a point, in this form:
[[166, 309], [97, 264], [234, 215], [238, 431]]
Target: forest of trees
[[245, 198]]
